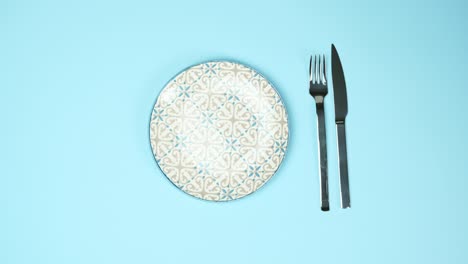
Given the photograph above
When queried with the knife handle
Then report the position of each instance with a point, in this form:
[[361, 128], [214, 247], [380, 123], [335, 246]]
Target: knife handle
[[322, 144], [343, 160]]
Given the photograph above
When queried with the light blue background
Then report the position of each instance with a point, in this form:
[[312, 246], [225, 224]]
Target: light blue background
[[79, 184]]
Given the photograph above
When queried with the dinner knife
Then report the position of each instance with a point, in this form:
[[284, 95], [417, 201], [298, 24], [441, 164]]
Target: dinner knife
[[341, 110]]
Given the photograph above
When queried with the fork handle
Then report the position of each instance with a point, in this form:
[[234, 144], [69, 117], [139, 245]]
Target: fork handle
[[343, 160], [322, 144]]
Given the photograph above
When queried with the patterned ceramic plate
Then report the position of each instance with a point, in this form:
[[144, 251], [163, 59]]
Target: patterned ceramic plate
[[219, 131]]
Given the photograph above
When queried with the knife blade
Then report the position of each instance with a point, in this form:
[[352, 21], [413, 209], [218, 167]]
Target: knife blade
[[341, 111]]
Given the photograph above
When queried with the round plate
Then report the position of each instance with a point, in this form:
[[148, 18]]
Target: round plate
[[219, 130]]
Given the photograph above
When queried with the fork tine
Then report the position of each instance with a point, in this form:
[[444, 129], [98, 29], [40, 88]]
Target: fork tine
[[319, 70], [316, 69], [310, 68], [324, 69]]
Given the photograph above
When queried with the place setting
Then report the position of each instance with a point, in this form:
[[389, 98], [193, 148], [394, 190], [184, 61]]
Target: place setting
[[219, 129]]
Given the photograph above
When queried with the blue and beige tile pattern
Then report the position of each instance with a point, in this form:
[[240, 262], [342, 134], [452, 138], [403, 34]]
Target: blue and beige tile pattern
[[219, 131]]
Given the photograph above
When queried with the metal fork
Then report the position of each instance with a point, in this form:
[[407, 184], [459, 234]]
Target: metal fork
[[318, 90]]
